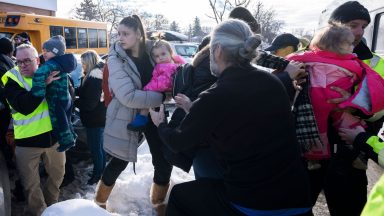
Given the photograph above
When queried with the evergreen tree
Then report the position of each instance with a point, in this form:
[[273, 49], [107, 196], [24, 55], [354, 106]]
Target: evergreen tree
[[87, 10], [197, 31], [174, 27]]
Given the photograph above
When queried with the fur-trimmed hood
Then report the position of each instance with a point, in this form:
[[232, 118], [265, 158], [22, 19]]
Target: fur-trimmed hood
[[96, 73], [200, 56]]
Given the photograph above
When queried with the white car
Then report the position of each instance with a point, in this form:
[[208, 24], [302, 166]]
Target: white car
[[185, 50]]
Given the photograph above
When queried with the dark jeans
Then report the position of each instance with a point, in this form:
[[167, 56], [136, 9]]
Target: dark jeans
[[161, 166], [345, 188], [95, 144], [206, 165]]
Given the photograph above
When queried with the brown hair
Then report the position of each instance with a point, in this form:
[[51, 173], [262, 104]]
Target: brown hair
[[135, 23], [332, 38]]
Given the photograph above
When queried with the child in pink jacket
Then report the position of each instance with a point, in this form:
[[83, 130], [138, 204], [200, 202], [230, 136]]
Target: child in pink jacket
[[330, 62], [166, 66]]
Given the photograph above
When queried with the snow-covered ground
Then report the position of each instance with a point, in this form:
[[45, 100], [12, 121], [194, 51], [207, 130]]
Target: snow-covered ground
[[130, 196]]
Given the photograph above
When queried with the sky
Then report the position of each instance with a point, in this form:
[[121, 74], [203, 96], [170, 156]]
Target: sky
[[295, 13]]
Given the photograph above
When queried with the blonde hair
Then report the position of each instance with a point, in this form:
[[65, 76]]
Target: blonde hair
[[332, 38], [89, 59]]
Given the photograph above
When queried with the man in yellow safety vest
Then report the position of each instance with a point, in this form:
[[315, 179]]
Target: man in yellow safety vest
[[33, 133]]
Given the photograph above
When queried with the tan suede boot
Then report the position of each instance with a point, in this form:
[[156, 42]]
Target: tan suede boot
[[102, 193], [158, 196]]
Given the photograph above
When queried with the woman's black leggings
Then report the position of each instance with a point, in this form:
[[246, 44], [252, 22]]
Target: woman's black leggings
[[161, 166]]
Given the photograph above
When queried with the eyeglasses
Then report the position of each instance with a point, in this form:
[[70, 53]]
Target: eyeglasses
[[24, 62]]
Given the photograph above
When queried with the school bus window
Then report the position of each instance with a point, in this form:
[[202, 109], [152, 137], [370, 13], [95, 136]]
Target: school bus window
[[70, 37], [56, 30], [380, 36], [82, 39], [102, 38], [92, 35]]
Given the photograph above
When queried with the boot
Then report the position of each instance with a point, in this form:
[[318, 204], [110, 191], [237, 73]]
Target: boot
[[102, 193], [158, 196]]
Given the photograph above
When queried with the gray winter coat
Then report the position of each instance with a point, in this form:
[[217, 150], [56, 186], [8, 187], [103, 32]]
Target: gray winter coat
[[128, 98]]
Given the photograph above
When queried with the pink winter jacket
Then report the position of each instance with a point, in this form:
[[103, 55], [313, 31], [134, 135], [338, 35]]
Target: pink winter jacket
[[162, 75], [328, 69]]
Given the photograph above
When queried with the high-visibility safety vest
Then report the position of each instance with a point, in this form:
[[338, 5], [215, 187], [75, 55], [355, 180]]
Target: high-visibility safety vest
[[35, 123], [375, 202], [376, 63]]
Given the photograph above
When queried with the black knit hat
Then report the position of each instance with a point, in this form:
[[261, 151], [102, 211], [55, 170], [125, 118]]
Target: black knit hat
[[282, 41], [6, 46], [56, 45], [351, 10]]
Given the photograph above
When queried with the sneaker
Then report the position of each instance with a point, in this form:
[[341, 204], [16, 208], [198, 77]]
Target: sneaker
[[138, 124]]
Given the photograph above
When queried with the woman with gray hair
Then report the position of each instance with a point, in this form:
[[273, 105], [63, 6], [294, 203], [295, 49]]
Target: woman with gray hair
[[263, 173]]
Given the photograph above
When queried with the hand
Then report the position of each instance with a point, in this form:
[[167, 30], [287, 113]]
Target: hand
[[296, 70], [52, 77], [349, 135], [345, 95], [183, 102], [157, 117]]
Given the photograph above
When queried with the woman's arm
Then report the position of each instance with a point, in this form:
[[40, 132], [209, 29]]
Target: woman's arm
[[125, 89], [195, 127]]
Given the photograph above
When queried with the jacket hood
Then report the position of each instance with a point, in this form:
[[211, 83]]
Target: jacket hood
[[66, 62], [200, 56], [96, 73]]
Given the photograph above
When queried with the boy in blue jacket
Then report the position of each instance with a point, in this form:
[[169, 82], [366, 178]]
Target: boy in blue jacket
[[57, 93]]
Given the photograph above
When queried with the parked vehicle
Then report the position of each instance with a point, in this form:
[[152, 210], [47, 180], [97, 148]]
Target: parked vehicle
[[185, 50]]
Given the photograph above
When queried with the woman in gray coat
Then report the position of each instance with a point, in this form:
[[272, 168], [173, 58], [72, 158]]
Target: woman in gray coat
[[130, 68]]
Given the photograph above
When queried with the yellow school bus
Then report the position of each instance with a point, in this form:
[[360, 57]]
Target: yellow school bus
[[79, 35]]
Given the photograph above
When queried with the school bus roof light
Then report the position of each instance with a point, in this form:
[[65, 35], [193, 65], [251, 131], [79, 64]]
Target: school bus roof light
[[12, 20]]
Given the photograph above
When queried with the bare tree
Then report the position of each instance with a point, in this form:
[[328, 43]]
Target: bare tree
[[103, 11], [160, 22], [269, 24], [220, 7], [112, 14]]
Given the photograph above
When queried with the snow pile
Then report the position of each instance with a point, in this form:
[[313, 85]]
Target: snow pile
[[75, 207], [130, 195]]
